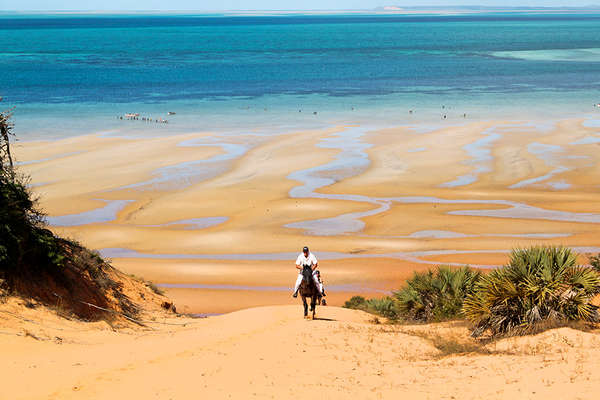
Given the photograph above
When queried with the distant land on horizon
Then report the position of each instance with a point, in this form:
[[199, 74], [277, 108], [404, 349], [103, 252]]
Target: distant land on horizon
[[392, 7]]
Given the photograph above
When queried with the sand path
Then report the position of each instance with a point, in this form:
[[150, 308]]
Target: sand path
[[271, 352]]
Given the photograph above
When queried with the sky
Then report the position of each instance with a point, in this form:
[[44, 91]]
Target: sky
[[205, 5]]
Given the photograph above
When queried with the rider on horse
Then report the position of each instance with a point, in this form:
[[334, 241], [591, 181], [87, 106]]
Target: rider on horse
[[307, 258]]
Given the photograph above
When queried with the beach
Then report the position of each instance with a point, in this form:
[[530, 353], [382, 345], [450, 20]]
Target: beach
[[169, 167], [217, 220]]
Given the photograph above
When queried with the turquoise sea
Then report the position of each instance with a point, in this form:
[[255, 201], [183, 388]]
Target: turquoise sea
[[74, 74]]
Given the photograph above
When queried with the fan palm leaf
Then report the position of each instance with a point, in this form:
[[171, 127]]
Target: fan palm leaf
[[436, 295]]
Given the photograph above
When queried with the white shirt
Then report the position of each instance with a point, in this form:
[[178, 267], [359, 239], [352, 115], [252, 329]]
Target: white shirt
[[310, 260]]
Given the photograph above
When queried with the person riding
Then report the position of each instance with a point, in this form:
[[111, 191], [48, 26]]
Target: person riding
[[306, 258]]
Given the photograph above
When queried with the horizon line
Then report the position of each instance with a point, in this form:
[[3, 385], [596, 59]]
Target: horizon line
[[387, 8]]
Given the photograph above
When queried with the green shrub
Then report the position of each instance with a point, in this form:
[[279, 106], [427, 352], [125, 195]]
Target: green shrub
[[385, 306], [25, 240], [436, 295], [540, 286], [356, 303]]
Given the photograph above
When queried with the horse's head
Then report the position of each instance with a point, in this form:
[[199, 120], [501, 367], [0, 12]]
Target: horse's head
[[307, 273]]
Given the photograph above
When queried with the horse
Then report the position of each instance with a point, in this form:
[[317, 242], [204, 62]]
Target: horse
[[309, 289]]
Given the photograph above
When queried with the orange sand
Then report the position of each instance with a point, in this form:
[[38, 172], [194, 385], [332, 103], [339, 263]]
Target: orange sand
[[271, 352]]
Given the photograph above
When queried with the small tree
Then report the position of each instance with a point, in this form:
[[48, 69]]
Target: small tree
[[25, 240], [6, 162]]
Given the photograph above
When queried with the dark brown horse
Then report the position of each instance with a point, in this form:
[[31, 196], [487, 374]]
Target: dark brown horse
[[308, 289]]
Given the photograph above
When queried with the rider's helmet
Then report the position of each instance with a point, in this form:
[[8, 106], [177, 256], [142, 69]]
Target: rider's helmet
[[305, 249]]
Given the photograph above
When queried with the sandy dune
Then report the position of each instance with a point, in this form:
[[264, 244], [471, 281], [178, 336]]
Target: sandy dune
[[271, 352]]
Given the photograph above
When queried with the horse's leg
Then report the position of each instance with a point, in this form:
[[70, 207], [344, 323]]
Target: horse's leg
[[313, 306], [305, 306]]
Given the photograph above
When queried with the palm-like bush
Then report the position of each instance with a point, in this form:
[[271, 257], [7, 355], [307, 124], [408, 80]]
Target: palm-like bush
[[436, 295], [540, 284]]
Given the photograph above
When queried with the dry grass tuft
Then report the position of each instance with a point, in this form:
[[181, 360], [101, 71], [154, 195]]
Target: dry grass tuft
[[149, 284], [450, 343]]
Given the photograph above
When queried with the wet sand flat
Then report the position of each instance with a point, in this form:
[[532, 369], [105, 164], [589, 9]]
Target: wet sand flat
[[214, 209]]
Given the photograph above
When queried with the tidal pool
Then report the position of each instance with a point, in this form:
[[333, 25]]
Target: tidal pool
[[103, 214]]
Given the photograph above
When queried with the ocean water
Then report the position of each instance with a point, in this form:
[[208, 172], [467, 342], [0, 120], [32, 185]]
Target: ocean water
[[74, 74]]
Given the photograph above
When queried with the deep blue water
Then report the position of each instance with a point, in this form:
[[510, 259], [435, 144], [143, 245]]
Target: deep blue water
[[223, 69]]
